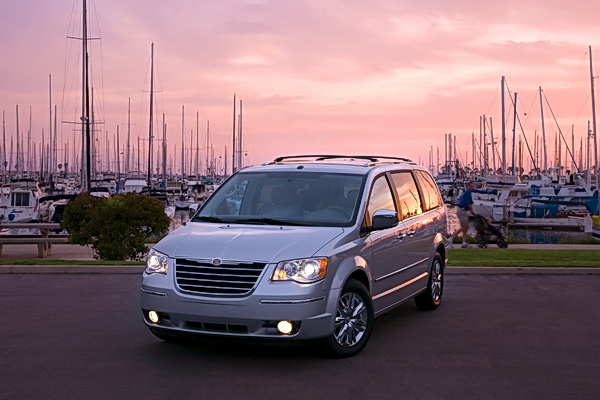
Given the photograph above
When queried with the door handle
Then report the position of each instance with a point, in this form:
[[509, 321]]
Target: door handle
[[403, 236]]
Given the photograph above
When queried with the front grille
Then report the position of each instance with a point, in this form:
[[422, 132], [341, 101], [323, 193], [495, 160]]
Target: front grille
[[224, 279]]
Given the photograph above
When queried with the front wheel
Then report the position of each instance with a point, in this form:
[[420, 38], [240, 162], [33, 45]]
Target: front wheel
[[431, 298], [353, 321]]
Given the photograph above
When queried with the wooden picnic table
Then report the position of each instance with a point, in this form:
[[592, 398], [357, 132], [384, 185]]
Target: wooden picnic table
[[43, 239]]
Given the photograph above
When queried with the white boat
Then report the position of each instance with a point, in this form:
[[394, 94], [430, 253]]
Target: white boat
[[22, 204], [106, 180], [135, 182], [100, 191], [495, 196], [65, 184]]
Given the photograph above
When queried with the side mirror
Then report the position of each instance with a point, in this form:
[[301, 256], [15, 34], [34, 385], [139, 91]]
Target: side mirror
[[383, 219]]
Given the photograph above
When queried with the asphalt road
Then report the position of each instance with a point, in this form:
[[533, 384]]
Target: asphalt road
[[80, 336]]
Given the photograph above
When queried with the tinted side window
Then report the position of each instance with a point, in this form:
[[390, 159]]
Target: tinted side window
[[408, 194], [381, 197], [429, 191]]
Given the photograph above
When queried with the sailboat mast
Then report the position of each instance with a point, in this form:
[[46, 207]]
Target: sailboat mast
[[164, 150], [4, 139], [50, 160], [594, 120], [514, 171], [28, 163], [182, 143], [66, 155], [150, 137], [42, 158], [486, 161], [128, 154], [83, 172], [504, 133], [197, 171], [18, 166], [545, 153], [233, 163], [206, 171], [240, 145], [492, 145], [118, 151], [85, 108], [587, 154]]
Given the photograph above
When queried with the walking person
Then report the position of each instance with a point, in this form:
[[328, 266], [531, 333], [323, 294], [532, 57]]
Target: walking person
[[465, 208]]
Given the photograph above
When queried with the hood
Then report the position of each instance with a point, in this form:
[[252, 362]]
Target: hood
[[256, 243]]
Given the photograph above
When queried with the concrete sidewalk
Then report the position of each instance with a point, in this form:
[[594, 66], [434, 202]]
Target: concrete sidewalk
[[60, 251], [84, 253]]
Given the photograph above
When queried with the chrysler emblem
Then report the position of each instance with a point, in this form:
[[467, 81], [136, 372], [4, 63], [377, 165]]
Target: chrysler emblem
[[216, 261]]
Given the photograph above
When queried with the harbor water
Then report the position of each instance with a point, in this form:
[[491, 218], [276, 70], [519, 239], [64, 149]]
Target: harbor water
[[536, 236]]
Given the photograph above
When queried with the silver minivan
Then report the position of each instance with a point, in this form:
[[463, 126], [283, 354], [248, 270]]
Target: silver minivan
[[301, 248]]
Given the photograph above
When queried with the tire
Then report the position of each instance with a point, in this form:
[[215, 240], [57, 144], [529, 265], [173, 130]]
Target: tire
[[431, 298], [502, 244], [353, 321]]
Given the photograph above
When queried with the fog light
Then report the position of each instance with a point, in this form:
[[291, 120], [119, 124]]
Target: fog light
[[153, 317], [285, 327]]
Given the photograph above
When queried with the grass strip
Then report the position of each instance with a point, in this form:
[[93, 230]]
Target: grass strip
[[524, 258]]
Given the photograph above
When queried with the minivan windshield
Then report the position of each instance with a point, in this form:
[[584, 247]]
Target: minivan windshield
[[285, 198]]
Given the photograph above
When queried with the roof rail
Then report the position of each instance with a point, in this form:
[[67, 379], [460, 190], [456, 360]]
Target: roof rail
[[321, 157]]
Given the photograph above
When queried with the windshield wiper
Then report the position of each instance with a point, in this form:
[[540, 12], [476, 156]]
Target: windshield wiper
[[207, 219], [264, 221]]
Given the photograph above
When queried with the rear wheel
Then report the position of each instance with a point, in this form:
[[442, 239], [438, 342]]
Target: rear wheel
[[431, 298], [503, 244], [353, 321]]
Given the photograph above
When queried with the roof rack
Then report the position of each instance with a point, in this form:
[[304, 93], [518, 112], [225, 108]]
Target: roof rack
[[321, 157]]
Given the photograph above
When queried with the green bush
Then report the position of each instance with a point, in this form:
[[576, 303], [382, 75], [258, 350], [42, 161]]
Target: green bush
[[117, 227]]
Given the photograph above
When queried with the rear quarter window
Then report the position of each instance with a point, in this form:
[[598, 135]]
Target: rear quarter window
[[408, 194], [429, 191]]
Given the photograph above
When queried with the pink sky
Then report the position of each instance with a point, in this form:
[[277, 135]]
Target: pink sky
[[384, 77]]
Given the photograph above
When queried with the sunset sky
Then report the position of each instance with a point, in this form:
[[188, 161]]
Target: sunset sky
[[383, 77]]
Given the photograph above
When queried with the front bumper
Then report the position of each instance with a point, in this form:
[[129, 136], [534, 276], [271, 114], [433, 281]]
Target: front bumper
[[310, 308]]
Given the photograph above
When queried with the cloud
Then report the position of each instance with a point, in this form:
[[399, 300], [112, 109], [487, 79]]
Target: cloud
[[377, 76]]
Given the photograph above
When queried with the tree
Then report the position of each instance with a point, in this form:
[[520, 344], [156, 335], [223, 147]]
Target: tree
[[117, 227]]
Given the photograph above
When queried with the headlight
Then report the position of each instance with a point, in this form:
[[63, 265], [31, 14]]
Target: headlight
[[157, 263], [304, 271]]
